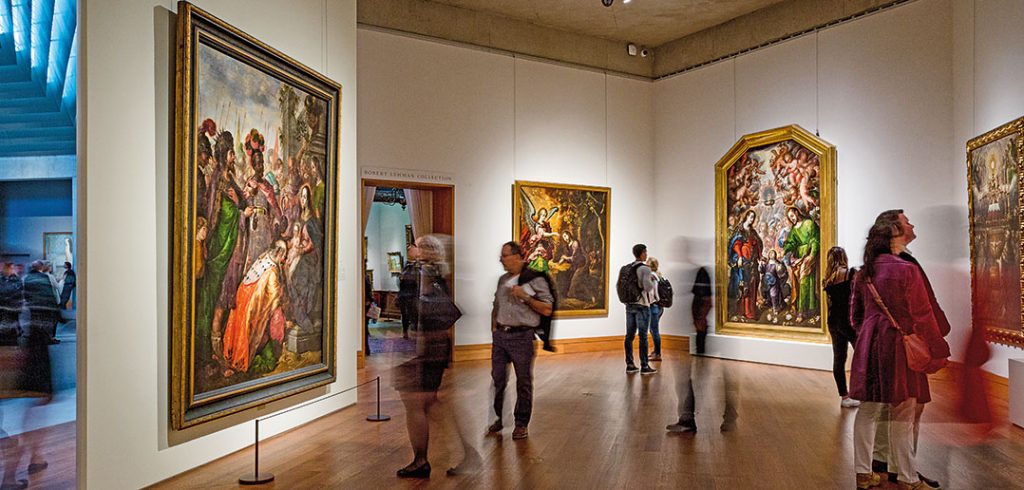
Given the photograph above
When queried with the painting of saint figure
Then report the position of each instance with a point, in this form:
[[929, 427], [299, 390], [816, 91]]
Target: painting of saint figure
[[254, 216], [563, 231], [774, 207], [994, 166]]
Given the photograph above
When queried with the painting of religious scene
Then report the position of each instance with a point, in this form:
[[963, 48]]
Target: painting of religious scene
[[254, 221], [563, 231], [773, 203], [994, 165]]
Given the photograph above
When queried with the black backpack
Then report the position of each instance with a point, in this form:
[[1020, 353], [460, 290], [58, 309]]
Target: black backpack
[[664, 293], [628, 286]]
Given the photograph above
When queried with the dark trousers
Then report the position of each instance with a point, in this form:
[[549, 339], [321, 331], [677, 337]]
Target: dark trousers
[[840, 338], [408, 308], [703, 370], [638, 318], [514, 347]]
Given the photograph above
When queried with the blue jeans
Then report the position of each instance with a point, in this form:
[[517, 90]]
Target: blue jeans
[[656, 311], [638, 317]]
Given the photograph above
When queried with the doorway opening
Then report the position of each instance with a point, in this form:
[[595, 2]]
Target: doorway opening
[[394, 214]]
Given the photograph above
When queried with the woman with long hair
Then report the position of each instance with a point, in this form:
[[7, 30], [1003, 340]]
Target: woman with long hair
[[656, 311], [838, 276], [890, 287]]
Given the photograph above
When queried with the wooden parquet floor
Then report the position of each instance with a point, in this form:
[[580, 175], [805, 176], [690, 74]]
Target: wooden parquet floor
[[56, 447], [595, 427]]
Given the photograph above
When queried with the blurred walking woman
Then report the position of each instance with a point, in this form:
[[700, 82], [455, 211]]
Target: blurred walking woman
[[838, 277], [418, 379], [880, 377]]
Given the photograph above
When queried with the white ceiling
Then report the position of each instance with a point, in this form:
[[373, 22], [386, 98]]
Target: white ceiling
[[645, 22]]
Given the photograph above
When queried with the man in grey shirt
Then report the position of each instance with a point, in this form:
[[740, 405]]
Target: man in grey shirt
[[518, 307], [638, 313]]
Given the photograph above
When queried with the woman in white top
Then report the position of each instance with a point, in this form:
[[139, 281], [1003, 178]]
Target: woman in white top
[[656, 309]]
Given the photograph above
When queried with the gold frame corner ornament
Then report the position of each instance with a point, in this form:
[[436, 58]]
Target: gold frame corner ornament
[[1008, 337], [827, 156]]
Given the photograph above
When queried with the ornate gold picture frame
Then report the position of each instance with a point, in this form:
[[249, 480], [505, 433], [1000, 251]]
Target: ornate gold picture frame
[[253, 254], [563, 230], [994, 170], [774, 221]]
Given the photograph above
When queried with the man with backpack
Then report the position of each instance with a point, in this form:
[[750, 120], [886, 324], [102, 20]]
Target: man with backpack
[[636, 288]]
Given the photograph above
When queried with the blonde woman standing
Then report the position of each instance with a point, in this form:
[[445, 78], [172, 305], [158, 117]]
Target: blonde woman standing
[[656, 310]]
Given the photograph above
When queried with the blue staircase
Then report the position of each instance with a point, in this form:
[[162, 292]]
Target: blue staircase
[[38, 52]]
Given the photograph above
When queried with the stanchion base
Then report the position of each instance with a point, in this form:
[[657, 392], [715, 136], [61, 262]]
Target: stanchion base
[[251, 479], [378, 418]]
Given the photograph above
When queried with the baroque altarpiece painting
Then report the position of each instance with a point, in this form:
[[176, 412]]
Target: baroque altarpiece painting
[[563, 230], [994, 167], [774, 219], [254, 220]]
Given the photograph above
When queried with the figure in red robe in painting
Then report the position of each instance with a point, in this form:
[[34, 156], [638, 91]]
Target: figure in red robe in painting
[[745, 250]]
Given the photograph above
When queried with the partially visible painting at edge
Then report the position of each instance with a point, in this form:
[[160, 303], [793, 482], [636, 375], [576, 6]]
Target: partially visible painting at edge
[[774, 221], [563, 230], [994, 165]]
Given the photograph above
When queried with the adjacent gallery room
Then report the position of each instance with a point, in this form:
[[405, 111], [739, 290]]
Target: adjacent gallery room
[[742, 244]]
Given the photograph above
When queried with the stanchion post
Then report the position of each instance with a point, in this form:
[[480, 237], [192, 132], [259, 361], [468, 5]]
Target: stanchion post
[[256, 477], [378, 417]]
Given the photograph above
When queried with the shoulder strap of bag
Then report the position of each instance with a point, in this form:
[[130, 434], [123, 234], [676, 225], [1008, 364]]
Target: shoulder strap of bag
[[881, 304]]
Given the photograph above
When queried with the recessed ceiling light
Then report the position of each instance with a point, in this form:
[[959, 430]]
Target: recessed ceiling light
[[626, 1]]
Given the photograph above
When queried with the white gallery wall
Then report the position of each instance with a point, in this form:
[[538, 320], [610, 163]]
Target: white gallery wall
[[490, 119], [127, 87]]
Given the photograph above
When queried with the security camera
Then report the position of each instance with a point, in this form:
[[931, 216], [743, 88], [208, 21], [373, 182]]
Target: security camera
[[607, 3], [645, 53]]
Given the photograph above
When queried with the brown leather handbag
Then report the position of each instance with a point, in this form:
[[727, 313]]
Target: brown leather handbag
[[919, 356]]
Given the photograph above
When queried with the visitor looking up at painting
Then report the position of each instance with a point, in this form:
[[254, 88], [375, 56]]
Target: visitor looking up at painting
[[889, 302]]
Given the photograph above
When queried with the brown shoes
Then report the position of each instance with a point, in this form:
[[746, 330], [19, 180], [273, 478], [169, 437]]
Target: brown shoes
[[520, 432], [495, 427], [868, 480]]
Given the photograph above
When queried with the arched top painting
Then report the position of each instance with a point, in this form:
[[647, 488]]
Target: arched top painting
[[774, 218], [254, 203], [994, 164]]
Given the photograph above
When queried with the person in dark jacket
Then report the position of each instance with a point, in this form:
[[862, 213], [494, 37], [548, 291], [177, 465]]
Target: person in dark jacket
[[70, 280], [838, 277], [409, 289], [41, 301], [11, 298]]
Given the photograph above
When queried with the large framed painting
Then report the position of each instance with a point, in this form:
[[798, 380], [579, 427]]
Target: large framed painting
[[254, 226], [994, 164], [563, 230], [774, 219]]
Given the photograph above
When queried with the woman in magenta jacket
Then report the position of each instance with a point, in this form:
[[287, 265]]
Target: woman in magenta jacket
[[879, 377]]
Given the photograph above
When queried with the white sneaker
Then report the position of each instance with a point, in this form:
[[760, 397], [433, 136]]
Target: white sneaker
[[849, 403]]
